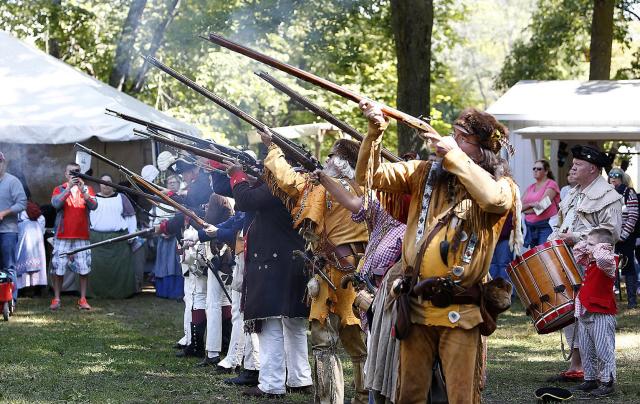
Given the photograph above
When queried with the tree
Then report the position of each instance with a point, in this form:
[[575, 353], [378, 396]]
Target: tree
[[124, 50], [601, 40], [412, 24], [560, 37]]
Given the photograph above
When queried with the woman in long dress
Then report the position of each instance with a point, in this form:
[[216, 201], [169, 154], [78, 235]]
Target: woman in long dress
[[31, 261]]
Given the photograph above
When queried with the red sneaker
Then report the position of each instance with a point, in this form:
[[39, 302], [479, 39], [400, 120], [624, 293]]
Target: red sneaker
[[55, 304], [83, 304]]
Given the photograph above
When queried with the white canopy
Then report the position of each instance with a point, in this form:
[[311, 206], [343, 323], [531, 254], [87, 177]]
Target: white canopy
[[45, 101], [567, 111]]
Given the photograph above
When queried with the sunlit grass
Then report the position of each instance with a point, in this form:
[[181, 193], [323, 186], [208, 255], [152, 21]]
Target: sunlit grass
[[121, 352]]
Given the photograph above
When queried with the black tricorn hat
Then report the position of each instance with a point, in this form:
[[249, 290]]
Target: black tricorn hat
[[553, 394], [591, 154], [184, 164]]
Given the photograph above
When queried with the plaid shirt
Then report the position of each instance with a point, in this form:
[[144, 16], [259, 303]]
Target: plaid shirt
[[385, 238]]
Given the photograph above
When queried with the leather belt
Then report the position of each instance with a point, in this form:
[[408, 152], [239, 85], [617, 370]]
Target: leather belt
[[341, 254], [445, 298]]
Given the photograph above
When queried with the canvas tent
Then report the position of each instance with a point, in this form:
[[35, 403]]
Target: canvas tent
[[568, 112], [47, 105]]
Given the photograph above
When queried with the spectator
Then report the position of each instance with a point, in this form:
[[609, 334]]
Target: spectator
[[540, 203], [31, 260], [167, 271], [12, 201], [73, 200], [570, 184], [626, 246], [112, 274]]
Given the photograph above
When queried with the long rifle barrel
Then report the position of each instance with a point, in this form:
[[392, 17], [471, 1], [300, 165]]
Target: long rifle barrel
[[321, 112], [150, 186], [289, 148], [209, 154], [316, 80], [117, 187], [109, 241], [203, 142]]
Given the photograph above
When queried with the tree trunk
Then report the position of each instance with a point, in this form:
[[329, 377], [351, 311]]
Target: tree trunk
[[412, 23], [124, 50], [601, 40], [53, 42], [156, 41]]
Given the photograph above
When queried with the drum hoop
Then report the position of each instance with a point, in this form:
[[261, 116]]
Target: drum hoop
[[544, 319]]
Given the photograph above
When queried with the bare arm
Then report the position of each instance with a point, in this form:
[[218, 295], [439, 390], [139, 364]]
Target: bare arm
[[345, 198]]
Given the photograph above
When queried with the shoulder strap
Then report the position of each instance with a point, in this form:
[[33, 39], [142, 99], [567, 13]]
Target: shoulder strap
[[442, 221]]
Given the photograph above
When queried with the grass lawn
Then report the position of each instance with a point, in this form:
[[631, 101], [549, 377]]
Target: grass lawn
[[121, 352]]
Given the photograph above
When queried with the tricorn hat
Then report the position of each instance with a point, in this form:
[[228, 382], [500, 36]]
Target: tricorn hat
[[183, 165], [553, 394], [591, 154], [348, 150]]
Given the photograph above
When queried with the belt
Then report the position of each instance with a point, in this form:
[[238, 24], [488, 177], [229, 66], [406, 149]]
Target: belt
[[441, 297], [341, 254]]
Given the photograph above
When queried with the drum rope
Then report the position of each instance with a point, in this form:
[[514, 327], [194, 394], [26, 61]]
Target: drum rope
[[573, 340]]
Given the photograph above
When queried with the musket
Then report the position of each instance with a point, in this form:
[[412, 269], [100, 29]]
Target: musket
[[321, 112], [112, 163], [318, 81], [150, 186], [206, 153], [315, 267], [109, 241], [120, 188], [292, 150], [216, 275], [154, 127]]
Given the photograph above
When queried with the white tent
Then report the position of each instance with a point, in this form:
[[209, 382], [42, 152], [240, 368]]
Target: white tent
[[44, 100], [571, 112], [47, 105]]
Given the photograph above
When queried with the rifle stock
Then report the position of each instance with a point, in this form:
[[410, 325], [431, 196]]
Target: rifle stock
[[319, 111], [292, 150], [316, 80]]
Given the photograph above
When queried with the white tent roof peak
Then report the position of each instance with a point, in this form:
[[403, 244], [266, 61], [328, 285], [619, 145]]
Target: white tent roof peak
[[44, 100], [567, 102]]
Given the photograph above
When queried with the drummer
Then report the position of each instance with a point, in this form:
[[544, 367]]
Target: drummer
[[591, 203]]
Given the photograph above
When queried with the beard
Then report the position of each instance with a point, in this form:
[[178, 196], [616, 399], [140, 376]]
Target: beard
[[339, 168]]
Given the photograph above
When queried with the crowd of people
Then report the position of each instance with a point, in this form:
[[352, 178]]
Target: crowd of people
[[390, 260]]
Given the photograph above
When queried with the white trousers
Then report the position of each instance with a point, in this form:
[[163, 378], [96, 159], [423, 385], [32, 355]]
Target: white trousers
[[241, 345], [195, 298], [215, 300], [284, 355], [186, 318]]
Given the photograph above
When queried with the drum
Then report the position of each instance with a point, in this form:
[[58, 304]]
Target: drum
[[547, 279]]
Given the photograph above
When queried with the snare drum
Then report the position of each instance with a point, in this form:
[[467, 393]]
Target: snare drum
[[547, 280]]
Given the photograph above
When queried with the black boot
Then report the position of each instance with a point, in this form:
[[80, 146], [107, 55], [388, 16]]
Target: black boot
[[226, 334], [196, 347], [209, 361], [245, 378]]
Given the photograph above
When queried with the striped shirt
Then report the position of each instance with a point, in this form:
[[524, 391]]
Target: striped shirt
[[629, 213]]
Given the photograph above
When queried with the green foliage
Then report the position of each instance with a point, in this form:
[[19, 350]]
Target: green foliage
[[559, 44], [348, 41]]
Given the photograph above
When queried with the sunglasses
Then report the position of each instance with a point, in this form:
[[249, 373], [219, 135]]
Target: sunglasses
[[538, 168]]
